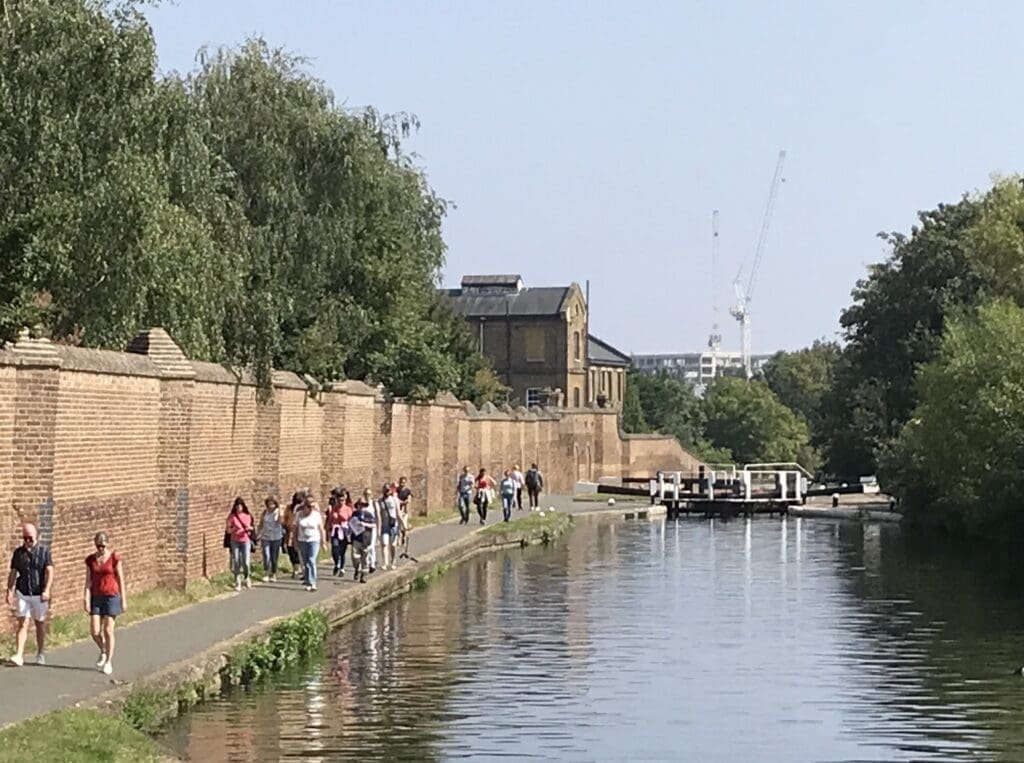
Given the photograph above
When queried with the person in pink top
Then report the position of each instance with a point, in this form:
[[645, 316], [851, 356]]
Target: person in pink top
[[239, 530]]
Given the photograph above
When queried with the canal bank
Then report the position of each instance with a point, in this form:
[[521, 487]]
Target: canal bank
[[186, 655]]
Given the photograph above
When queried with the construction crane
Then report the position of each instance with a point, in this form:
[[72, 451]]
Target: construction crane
[[715, 339], [741, 312]]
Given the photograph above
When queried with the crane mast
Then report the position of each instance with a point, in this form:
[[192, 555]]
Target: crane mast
[[715, 339], [741, 311]]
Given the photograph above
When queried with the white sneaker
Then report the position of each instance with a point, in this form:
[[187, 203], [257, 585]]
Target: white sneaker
[[108, 668], [312, 588], [40, 659], [266, 578], [238, 586], [308, 587], [248, 582], [17, 661], [102, 660]]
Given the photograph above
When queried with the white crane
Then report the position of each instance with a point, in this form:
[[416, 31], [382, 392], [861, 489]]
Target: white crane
[[741, 312], [715, 339]]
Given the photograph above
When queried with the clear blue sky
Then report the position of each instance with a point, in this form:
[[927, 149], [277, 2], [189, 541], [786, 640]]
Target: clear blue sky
[[593, 139]]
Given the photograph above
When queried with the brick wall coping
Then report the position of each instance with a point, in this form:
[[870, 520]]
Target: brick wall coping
[[644, 436], [89, 360]]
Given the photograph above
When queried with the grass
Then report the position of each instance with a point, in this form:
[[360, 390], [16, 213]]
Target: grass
[[71, 736], [543, 524]]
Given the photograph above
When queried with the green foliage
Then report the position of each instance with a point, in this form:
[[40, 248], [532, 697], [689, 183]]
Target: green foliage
[[77, 736], [535, 527], [663, 404], [801, 379], [287, 642], [237, 206], [147, 709], [633, 418], [895, 324], [747, 419], [959, 460], [423, 581]]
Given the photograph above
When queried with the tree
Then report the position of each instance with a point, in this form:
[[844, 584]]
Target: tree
[[633, 419], [959, 461], [237, 206], [801, 379], [893, 326], [747, 419]]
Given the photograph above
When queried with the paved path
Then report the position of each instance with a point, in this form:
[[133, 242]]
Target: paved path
[[146, 647]]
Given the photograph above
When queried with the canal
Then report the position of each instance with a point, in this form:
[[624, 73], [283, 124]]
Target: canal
[[764, 640]]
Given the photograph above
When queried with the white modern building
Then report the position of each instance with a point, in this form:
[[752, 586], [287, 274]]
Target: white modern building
[[698, 368]]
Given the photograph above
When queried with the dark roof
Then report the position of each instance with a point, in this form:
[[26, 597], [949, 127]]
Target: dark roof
[[537, 301], [508, 279], [603, 354]]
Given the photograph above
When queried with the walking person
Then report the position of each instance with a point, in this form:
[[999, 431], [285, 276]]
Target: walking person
[[361, 528], [290, 543], [484, 493], [271, 533], [404, 495], [105, 598], [534, 484], [519, 479], [337, 529], [388, 512], [464, 491], [28, 591], [309, 527], [239, 531], [508, 495]]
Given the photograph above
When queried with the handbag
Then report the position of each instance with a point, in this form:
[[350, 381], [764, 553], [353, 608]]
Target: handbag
[[227, 540]]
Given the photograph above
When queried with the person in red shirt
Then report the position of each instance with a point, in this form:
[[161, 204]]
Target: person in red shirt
[[484, 493], [104, 598]]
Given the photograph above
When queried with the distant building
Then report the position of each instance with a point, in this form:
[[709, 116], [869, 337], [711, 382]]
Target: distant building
[[536, 340], [607, 368], [533, 336], [697, 368]]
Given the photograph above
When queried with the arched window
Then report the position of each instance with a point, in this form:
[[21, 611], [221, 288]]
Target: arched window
[[576, 345]]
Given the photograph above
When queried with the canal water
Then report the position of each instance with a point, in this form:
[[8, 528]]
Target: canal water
[[764, 640]]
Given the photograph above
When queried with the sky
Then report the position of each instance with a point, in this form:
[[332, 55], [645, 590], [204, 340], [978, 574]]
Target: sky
[[592, 140]]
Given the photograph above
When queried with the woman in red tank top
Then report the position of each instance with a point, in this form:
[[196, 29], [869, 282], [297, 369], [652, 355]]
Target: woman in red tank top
[[104, 599]]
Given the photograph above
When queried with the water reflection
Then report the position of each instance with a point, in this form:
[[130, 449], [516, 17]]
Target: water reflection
[[766, 640]]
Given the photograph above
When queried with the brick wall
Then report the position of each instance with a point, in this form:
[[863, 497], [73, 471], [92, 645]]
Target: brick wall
[[152, 448]]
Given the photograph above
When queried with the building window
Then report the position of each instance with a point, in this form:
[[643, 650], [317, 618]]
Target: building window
[[533, 397], [534, 341], [619, 383], [576, 397], [576, 345]]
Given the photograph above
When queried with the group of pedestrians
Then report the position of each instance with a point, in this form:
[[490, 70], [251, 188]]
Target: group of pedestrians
[[28, 594], [369, 530], [351, 527], [481, 491]]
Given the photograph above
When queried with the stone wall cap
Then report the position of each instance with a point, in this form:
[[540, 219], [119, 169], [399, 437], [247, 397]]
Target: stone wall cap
[[163, 351], [89, 360], [34, 352]]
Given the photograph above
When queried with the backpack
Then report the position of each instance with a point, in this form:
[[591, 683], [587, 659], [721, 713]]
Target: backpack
[[533, 478]]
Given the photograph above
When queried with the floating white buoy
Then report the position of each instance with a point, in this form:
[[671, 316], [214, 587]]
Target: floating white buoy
[[611, 501]]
